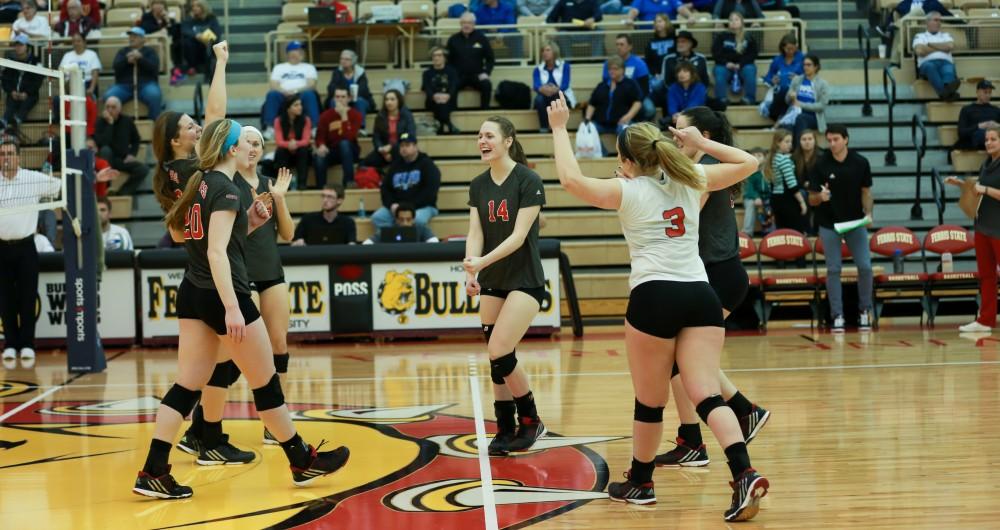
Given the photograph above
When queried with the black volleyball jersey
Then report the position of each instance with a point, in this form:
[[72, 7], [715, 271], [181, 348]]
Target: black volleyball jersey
[[498, 207], [718, 235], [215, 193], [178, 172], [263, 261]]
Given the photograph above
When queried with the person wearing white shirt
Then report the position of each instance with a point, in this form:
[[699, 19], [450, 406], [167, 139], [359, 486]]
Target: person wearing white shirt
[[18, 256], [292, 77], [115, 237], [934, 61], [86, 59], [32, 25]]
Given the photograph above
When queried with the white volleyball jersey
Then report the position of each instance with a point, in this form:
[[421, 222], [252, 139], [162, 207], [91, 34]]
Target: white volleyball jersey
[[660, 221]]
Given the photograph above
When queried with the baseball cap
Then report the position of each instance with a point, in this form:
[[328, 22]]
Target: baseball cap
[[985, 84], [687, 35], [21, 38], [407, 137], [136, 30], [294, 45]]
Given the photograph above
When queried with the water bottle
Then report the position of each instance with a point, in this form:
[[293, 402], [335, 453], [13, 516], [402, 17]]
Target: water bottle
[[897, 261], [46, 167], [361, 208], [947, 262]]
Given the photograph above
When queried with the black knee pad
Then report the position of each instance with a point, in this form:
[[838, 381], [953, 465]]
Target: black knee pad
[[488, 331], [675, 371], [709, 404], [647, 414], [502, 367], [269, 396], [281, 362], [234, 373], [181, 399], [222, 376]]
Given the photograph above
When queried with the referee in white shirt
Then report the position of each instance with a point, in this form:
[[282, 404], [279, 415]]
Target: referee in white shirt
[[18, 256]]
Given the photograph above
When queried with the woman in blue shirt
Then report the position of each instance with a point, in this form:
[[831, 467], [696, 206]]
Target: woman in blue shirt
[[646, 10], [550, 76], [784, 67], [686, 93], [811, 94]]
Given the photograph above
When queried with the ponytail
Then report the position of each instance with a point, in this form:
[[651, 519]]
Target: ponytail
[[507, 130], [646, 146], [176, 216], [516, 153], [165, 129]]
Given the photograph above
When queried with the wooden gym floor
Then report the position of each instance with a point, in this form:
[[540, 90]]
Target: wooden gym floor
[[894, 429]]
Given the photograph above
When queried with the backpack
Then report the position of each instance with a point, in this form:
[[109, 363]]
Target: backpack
[[513, 95], [367, 178]]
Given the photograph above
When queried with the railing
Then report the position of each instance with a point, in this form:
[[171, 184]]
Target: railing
[[890, 96], [865, 47], [937, 189], [917, 125]]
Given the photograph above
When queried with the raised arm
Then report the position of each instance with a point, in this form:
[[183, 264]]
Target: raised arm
[[735, 164], [215, 107], [602, 193]]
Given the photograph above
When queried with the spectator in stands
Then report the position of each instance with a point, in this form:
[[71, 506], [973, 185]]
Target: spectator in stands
[[341, 13], [551, 76], [327, 226], [779, 5], [735, 52], [746, 9], [657, 49], [440, 87], [635, 69], [116, 237], [469, 51], [404, 215], [74, 23], [337, 137], [118, 142], [392, 122], [138, 62], [535, 8], [646, 10], [19, 258], [413, 178], [615, 102], [840, 191], [685, 43], [31, 24], [157, 18], [352, 75], [86, 60], [976, 118], [810, 94], [21, 87], [919, 8], [784, 67], [566, 11], [686, 93], [91, 10], [806, 153], [292, 77], [496, 13], [934, 60], [293, 137], [756, 195], [199, 31], [779, 172]]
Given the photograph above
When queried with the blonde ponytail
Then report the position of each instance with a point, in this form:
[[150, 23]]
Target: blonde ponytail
[[646, 146]]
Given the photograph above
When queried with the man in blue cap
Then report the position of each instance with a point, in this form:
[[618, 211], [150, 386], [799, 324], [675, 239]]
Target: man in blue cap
[[137, 70], [295, 76], [21, 87]]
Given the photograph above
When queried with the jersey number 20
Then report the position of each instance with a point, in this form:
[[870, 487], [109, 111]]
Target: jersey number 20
[[192, 223], [675, 218], [501, 212]]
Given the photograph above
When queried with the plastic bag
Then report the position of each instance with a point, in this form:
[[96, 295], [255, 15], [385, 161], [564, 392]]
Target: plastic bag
[[787, 119], [588, 141]]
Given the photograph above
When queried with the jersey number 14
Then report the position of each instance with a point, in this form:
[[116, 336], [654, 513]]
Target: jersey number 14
[[501, 212], [675, 219], [193, 228]]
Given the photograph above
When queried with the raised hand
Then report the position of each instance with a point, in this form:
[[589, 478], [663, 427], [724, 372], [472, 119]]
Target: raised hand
[[688, 136], [558, 113], [279, 187], [221, 50]]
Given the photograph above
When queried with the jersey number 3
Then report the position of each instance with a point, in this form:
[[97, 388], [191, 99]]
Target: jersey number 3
[[675, 217], [192, 223], [501, 212]]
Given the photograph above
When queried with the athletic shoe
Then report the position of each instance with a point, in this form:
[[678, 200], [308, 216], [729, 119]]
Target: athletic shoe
[[163, 487], [971, 327], [683, 456], [752, 423], [631, 492], [27, 354], [838, 324], [321, 464], [500, 445], [9, 354], [225, 454], [269, 438], [190, 444], [865, 321], [748, 489], [529, 431], [176, 76]]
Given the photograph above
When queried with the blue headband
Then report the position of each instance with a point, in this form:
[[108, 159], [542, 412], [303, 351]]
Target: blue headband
[[233, 137]]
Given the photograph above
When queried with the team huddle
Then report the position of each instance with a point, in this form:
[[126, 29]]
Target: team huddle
[[674, 199]]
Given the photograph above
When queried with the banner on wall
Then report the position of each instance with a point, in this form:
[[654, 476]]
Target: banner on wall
[[416, 296], [115, 321]]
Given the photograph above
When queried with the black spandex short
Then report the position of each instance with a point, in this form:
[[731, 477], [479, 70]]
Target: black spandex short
[[663, 308], [261, 286], [730, 281], [206, 305], [538, 293]]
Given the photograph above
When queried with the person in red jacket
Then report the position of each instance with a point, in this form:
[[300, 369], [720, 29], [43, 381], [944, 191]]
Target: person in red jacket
[[293, 135], [337, 137], [341, 12], [91, 10]]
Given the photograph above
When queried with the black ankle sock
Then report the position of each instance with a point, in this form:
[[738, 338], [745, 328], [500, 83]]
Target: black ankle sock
[[739, 459], [740, 405], [197, 422], [505, 413], [297, 451], [642, 472], [211, 434], [526, 406], [691, 433], [156, 459]]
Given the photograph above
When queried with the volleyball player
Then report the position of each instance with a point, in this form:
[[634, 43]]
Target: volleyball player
[[267, 277], [719, 248], [502, 248], [672, 311], [175, 139], [214, 306]]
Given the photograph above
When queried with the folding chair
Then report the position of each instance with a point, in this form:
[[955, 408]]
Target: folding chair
[[949, 285], [899, 286], [792, 286]]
